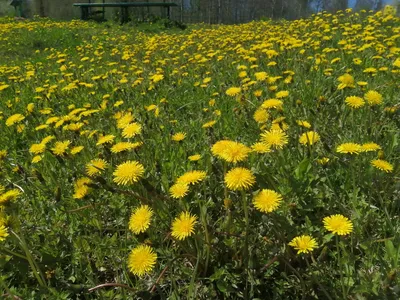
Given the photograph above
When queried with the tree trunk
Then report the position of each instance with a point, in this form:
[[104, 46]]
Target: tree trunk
[[379, 5], [41, 9], [181, 11], [219, 12]]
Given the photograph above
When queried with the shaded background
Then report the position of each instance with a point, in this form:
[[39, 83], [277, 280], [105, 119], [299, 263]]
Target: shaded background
[[194, 11]]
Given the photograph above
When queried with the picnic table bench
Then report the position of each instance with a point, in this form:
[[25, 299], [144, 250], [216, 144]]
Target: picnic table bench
[[124, 8]]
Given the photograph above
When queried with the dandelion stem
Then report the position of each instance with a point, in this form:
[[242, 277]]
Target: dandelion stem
[[303, 285], [340, 268], [246, 241], [191, 287], [9, 293], [203, 216], [208, 242], [35, 268], [153, 288], [112, 285], [317, 281], [14, 253]]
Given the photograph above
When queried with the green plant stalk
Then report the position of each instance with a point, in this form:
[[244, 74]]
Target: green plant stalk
[[191, 287], [344, 293], [35, 268], [203, 210], [228, 211], [14, 253], [246, 241], [354, 196], [317, 281], [4, 285], [225, 188], [302, 283]]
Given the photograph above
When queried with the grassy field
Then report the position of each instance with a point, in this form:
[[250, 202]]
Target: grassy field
[[253, 161]]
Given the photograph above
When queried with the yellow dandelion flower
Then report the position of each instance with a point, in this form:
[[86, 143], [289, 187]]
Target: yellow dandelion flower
[[41, 127], [179, 190], [157, 77], [105, 139], [346, 81], [267, 200], [261, 115], [125, 120], [3, 154], [124, 146], [355, 102], [37, 148], [382, 165], [47, 139], [258, 93], [183, 226], [3, 233], [261, 148], [303, 123], [373, 98], [272, 103], [309, 138], [177, 137], [14, 119], [303, 244], [9, 196], [36, 159], [239, 179], [260, 76], [209, 124], [275, 138], [95, 167], [242, 74], [338, 224], [3, 86], [77, 149], [232, 152], [52, 120], [233, 91], [128, 172], [140, 219], [81, 188], [192, 177], [30, 107], [20, 128], [151, 107], [194, 157], [323, 161], [141, 260], [74, 126], [60, 148], [219, 147], [370, 147], [131, 130], [282, 94], [349, 148]]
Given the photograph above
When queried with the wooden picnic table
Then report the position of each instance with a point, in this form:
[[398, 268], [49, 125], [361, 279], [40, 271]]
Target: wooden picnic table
[[124, 8]]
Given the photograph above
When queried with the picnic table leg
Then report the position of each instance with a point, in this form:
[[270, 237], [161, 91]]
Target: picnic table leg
[[124, 14], [84, 13], [168, 13]]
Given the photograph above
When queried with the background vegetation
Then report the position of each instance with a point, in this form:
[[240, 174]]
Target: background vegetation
[[207, 11]]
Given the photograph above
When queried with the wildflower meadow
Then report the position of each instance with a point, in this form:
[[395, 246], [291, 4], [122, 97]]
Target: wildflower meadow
[[252, 161]]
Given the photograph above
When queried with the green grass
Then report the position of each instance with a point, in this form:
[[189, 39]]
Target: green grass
[[65, 247]]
